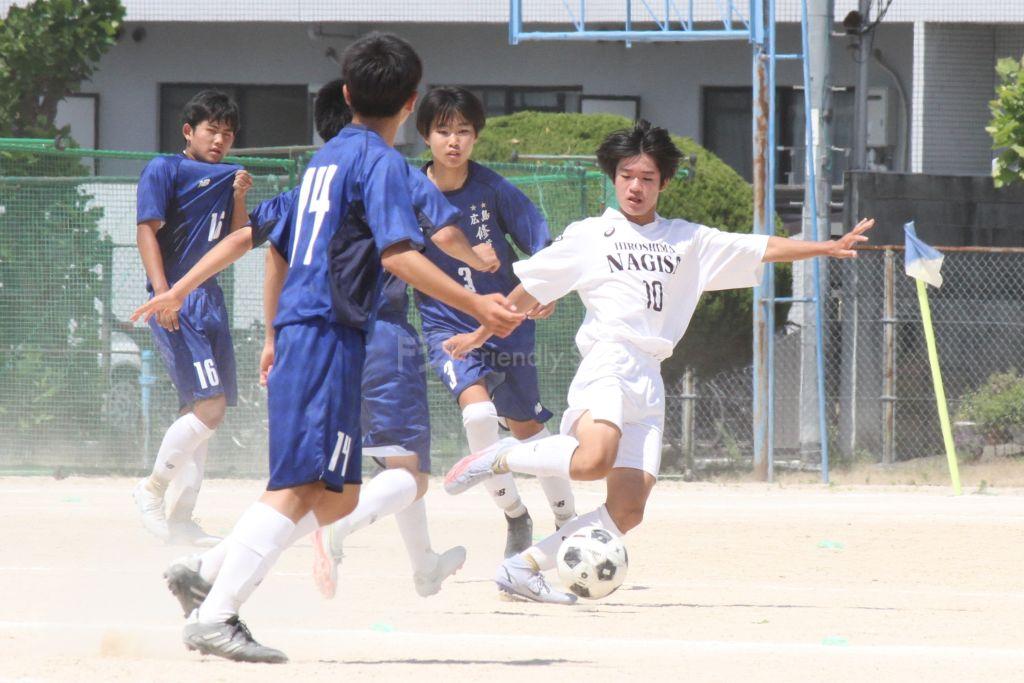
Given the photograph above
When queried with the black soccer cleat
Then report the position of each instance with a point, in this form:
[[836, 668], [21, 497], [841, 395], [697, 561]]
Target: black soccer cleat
[[229, 639], [520, 534], [186, 584]]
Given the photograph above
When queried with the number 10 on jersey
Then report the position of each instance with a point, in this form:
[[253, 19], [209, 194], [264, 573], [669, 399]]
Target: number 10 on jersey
[[655, 295]]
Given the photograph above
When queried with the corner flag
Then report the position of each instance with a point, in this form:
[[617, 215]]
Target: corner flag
[[924, 263], [921, 261]]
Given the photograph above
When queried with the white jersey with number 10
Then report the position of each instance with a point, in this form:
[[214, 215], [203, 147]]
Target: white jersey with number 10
[[640, 284]]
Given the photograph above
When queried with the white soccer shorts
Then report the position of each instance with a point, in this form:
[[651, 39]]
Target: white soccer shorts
[[622, 385]]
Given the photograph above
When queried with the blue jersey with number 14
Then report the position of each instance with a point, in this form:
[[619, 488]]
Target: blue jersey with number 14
[[272, 221], [193, 200], [353, 203]]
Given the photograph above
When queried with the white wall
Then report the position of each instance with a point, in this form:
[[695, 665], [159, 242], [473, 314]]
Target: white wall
[[668, 77], [956, 82]]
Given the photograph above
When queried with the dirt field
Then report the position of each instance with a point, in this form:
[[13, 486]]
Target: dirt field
[[727, 582]]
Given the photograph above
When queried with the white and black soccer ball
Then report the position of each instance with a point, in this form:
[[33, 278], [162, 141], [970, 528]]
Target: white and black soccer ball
[[592, 562]]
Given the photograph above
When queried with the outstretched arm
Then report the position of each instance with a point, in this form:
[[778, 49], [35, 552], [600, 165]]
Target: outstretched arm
[[227, 251], [414, 268], [783, 249], [461, 344], [452, 241]]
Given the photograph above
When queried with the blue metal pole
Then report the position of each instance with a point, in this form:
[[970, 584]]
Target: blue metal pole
[[770, 226], [762, 293], [514, 27], [810, 180]]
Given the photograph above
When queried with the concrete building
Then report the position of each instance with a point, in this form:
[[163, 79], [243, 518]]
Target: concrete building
[[929, 91]]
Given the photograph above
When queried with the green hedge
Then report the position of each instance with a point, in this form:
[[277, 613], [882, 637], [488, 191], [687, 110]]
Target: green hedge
[[720, 333]]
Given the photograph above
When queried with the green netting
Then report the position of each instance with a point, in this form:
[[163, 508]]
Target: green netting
[[81, 389]]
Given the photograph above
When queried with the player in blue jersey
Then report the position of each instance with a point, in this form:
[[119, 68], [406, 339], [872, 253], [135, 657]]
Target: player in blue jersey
[[353, 214], [187, 203], [395, 413], [500, 378]]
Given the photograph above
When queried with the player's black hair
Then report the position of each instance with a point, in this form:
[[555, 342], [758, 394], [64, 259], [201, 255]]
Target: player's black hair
[[213, 106], [642, 138], [382, 72], [445, 104], [330, 112]]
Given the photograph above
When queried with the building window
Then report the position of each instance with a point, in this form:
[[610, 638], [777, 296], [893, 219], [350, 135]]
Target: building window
[[499, 100], [728, 133], [272, 115]]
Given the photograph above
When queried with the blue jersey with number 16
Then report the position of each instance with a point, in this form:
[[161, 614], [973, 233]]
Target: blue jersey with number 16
[[193, 200]]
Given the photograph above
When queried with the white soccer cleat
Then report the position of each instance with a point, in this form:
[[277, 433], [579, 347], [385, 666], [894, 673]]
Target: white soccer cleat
[[477, 467], [325, 562], [519, 579], [448, 562], [151, 507]]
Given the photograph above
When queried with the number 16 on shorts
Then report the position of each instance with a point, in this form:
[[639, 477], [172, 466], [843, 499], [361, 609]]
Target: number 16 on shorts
[[207, 373]]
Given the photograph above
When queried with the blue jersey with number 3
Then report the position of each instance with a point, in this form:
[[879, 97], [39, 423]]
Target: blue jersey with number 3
[[353, 203], [493, 210], [193, 200]]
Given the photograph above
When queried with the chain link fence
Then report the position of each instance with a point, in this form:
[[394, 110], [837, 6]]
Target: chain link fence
[[879, 395], [81, 389]]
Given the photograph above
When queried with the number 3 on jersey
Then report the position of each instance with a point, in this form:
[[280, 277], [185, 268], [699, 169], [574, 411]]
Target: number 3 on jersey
[[467, 275], [314, 197]]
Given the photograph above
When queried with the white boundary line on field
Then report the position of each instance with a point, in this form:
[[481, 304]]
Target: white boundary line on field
[[661, 645], [773, 588]]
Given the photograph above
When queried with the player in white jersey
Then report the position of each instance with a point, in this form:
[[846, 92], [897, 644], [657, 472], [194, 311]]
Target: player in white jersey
[[640, 277]]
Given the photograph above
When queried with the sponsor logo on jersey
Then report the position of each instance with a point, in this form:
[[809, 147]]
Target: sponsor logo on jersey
[[204, 182], [609, 232]]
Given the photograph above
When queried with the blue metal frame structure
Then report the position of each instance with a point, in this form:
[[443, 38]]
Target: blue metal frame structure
[[671, 24]]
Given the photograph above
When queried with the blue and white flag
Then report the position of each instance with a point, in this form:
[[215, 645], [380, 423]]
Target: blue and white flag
[[922, 261]]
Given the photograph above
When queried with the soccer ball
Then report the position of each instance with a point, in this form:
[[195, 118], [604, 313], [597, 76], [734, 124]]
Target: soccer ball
[[592, 562]]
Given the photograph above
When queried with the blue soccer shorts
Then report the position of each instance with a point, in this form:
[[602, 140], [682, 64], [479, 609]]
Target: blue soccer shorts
[[199, 356], [313, 405], [395, 416], [509, 375]]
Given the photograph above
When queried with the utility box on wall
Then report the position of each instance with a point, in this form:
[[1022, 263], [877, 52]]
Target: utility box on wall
[[878, 118]]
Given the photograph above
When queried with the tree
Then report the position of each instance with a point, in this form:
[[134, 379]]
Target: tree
[[1007, 125], [720, 334], [47, 49], [54, 264]]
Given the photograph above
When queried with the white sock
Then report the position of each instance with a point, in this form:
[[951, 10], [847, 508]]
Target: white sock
[[260, 533], [548, 457], [386, 494], [557, 490], [212, 560], [188, 483], [180, 442], [545, 553], [481, 423], [412, 524]]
